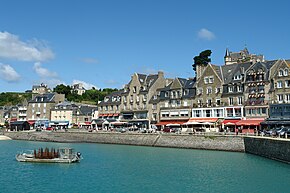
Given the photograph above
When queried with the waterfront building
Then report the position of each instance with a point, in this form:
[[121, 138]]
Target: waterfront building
[[82, 116], [242, 57], [173, 104], [257, 87], [38, 109], [61, 115], [279, 116], [109, 110], [233, 94], [279, 91], [208, 99], [135, 106]]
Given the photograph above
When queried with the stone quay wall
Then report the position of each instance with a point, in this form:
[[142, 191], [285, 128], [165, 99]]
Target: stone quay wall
[[273, 148], [206, 142]]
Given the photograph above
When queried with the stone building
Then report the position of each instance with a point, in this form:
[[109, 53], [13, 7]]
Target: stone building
[[78, 88], [38, 109], [135, 106], [40, 89], [242, 57], [174, 103]]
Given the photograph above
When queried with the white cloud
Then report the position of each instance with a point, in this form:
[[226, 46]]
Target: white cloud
[[12, 47], [205, 34], [8, 73], [85, 84], [43, 72]]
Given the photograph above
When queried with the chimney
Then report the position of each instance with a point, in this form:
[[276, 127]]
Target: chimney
[[160, 74]]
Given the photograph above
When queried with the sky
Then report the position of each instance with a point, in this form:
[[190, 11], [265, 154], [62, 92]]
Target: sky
[[102, 43]]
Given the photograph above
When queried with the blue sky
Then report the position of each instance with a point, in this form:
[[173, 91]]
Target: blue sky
[[102, 43]]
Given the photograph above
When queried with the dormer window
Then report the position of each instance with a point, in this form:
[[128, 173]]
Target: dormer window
[[281, 72], [106, 99], [134, 89], [206, 80], [238, 77], [186, 92], [286, 71], [166, 94], [230, 89]]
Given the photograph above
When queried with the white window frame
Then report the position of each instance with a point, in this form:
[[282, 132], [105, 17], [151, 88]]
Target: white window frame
[[279, 84]]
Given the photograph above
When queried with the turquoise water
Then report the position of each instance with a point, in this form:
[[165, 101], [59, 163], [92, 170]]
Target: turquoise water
[[120, 168]]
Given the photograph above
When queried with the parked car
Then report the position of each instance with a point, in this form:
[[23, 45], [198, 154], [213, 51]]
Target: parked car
[[49, 128]]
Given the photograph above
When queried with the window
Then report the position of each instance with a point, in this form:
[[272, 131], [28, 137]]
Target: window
[[199, 91], [131, 98], [279, 84], [186, 92], [231, 101], [286, 72], [240, 100], [166, 94], [185, 103], [239, 88], [208, 102], [287, 83], [199, 101], [218, 90], [218, 102], [287, 98], [125, 99], [211, 79], [206, 80], [134, 89], [230, 89], [166, 104], [237, 77], [196, 113], [208, 90], [154, 106], [137, 98], [208, 113], [280, 98], [280, 72]]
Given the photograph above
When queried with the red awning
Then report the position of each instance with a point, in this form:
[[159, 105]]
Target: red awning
[[248, 122], [230, 121], [87, 122], [193, 121], [116, 114], [171, 123], [31, 122], [105, 115], [110, 115], [100, 115]]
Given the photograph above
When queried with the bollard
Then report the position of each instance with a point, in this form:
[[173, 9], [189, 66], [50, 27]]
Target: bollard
[[286, 136]]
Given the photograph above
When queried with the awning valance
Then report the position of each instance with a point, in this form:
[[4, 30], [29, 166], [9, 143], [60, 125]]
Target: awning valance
[[196, 121], [248, 122], [230, 121], [171, 123]]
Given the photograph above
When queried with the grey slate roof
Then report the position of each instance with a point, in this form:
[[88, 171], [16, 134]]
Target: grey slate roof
[[43, 98], [110, 100], [229, 71]]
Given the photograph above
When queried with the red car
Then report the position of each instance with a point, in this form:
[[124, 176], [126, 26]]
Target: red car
[[49, 128]]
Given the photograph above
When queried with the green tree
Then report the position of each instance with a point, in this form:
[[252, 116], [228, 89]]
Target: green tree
[[63, 89], [202, 59]]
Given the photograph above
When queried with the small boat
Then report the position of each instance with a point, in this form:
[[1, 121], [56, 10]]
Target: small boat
[[61, 155]]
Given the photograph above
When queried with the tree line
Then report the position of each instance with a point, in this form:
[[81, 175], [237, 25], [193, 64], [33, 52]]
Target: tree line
[[92, 96]]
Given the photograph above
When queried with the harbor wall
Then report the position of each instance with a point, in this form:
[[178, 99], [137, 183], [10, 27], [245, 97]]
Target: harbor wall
[[273, 148], [218, 142]]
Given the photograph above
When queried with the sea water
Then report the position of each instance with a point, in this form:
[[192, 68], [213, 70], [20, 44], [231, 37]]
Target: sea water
[[121, 168]]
